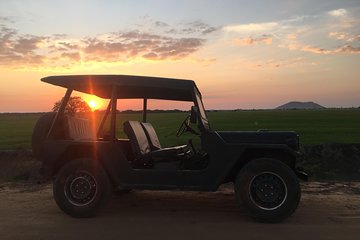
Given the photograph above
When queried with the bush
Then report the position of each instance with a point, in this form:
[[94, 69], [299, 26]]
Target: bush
[[18, 165], [331, 161]]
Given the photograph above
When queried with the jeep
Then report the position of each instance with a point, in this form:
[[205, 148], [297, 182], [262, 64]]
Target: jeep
[[87, 158]]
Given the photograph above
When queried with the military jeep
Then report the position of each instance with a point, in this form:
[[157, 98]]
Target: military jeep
[[87, 159]]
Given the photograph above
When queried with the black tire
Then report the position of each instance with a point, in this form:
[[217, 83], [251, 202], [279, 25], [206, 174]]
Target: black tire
[[40, 131], [81, 187], [269, 189]]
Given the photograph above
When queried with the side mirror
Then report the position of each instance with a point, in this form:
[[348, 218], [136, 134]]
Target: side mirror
[[193, 114]]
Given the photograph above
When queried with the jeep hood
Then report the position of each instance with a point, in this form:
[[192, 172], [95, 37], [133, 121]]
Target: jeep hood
[[288, 138]]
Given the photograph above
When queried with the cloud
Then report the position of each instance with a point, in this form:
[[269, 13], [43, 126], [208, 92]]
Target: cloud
[[252, 34], [18, 49], [201, 27], [73, 56], [6, 19], [338, 12], [61, 50], [345, 36], [346, 43], [161, 24], [343, 19], [337, 35], [272, 64], [174, 48], [345, 49], [318, 34], [265, 39], [27, 44], [128, 45], [342, 49], [313, 49], [252, 27], [193, 28]]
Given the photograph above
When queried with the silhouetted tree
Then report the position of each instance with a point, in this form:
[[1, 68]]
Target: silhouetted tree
[[75, 105]]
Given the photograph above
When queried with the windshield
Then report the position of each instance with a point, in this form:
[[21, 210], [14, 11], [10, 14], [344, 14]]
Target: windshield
[[202, 112]]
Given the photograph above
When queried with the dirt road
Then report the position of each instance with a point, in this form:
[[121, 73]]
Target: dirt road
[[327, 211]]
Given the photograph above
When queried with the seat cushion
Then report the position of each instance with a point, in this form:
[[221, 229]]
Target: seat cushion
[[152, 136], [169, 154], [138, 139]]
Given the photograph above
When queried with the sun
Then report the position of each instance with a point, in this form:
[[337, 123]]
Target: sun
[[93, 104]]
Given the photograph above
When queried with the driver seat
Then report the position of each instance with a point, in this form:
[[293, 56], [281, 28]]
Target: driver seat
[[146, 145]]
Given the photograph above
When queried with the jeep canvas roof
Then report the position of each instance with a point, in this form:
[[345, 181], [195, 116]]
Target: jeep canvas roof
[[127, 86]]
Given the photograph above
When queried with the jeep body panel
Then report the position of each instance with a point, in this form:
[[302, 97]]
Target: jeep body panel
[[223, 157], [260, 137]]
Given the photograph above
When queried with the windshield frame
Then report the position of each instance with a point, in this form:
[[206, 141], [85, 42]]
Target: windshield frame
[[204, 122]]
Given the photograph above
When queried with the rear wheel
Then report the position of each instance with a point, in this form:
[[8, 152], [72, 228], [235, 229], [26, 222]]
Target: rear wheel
[[80, 187], [269, 189]]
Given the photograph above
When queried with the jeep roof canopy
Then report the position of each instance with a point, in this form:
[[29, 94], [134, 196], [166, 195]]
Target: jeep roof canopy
[[127, 86]]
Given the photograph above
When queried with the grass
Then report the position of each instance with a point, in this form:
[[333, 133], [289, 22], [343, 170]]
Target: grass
[[313, 126], [16, 130]]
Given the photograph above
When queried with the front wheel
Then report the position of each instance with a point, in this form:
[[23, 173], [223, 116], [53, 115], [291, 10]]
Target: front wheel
[[80, 187], [269, 189]]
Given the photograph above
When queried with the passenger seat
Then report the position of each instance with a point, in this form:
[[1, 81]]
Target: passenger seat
[[153, 138], [146, 145]]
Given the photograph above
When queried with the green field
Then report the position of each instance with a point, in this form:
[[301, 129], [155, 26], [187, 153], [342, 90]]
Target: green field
[[313, 126]]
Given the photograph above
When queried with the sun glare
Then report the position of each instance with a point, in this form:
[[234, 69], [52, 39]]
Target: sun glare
[[93, 104]]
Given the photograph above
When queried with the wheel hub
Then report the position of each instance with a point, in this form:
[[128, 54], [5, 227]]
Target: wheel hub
[[81, 189], [268, 191]]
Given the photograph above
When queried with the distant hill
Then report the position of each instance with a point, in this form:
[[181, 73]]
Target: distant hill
[[300, 105]]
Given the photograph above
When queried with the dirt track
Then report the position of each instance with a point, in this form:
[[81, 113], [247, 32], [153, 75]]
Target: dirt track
[[327, 211]]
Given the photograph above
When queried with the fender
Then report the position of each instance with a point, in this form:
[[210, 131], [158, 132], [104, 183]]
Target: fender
[[231, 157]]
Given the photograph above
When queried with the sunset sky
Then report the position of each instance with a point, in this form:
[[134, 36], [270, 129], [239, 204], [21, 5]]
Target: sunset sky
[[242, 54]]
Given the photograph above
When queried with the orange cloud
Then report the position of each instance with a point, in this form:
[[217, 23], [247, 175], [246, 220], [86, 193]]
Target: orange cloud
[[60, 50], [346, 49]]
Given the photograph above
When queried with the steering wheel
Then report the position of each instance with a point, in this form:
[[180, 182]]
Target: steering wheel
[[185, 127]]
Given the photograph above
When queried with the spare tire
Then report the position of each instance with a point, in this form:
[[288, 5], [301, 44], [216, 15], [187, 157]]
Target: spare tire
[[40, 131]]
